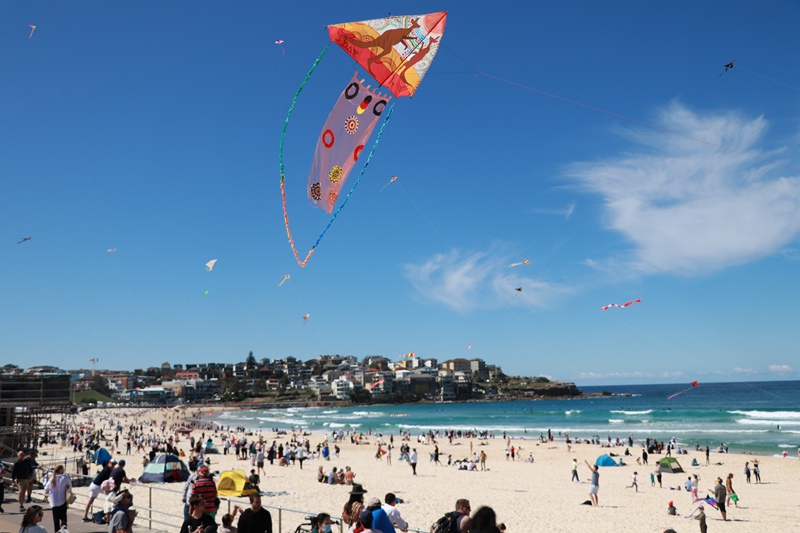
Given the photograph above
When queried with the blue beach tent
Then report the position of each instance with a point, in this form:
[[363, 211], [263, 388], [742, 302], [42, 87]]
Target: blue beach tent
[[101, 456], [605, 460]]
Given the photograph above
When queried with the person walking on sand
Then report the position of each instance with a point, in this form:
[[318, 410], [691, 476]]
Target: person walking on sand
[[702, 517], [413, 460], [731, 493], [594, 488], [575, 471], [720, 495]]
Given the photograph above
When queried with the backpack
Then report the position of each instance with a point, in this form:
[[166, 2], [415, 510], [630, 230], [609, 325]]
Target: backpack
[[446, 524]]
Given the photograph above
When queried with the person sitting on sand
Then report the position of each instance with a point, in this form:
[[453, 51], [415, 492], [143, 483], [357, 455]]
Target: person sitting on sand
[[671, 509]]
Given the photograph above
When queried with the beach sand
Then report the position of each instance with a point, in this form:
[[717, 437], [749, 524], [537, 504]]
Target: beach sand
[[526, 496]]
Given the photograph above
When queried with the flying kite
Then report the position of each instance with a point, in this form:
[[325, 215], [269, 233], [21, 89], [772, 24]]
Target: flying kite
[[32, 29], [111, 250], [693, 384], [469, 346], [626, 304], [285, 277], [518, 289], [523, 262], [394, 178], [727, 68], [305, 318], [24, 239], [210, 265], [279, 42], [396, 52]]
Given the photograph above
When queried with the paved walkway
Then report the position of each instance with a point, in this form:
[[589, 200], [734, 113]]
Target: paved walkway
[[11, 520]]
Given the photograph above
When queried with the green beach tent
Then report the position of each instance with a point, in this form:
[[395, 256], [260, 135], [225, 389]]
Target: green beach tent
[[670, 465]]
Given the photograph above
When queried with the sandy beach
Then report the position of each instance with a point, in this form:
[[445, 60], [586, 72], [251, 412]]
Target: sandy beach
[[526, 496]]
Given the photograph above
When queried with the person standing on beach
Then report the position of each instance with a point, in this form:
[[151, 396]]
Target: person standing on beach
[[436, 455], [483, 460], [747, 471], [413, 460], [658, 478], [594, 488], [720, 495], [757, 471], [575, 471], [702, 517], [256, 519], [731, 493], [707, 451]]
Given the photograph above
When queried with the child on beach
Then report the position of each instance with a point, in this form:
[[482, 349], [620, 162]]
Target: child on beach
[[671, 509], [634, 484], [652, 479], [702, 517]]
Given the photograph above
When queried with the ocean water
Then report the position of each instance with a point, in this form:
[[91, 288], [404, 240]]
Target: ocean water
[[759, 417]]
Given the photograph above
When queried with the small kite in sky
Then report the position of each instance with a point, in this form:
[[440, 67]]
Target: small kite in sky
[[693, 384], [24, 239], [394, 178], [111, 250], [626, 304], [523, 262], [285, 277], [727, 68], [32, 29], [305, 318], [279, 42], [469, 346], [518, 289], [210, 265]]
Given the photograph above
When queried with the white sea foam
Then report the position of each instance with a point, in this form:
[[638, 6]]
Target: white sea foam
[[646, 412], [761, 422], [573, 411], [769, 414], [616, 421]]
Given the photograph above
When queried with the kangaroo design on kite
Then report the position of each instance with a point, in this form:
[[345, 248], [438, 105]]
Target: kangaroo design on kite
[[388, 40], [413, 60]]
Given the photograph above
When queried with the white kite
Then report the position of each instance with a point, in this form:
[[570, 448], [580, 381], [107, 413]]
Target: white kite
[[210, 265]]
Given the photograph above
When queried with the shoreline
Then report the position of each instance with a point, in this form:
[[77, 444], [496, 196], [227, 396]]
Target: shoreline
[[517, 490]]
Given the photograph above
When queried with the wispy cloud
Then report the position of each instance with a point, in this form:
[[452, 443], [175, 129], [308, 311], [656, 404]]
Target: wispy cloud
[[688, 207], [740, 370], [565, 212], [780, 369], [468, 280]]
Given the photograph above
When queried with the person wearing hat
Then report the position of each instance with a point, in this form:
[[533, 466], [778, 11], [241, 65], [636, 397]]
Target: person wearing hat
[[205, 487], [702, 517], [366, 520], [720, 493], [95, 487], [354, 505], [380, 520], [671, 509], [119, 476]]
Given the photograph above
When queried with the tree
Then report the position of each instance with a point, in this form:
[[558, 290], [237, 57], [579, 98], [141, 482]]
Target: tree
[[251, 360]]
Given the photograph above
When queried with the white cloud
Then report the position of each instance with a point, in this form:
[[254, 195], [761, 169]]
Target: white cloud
[[740, 370], [465, 281], [780, 369], [689, 207]]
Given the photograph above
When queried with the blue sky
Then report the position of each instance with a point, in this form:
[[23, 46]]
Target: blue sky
[[153, 129]]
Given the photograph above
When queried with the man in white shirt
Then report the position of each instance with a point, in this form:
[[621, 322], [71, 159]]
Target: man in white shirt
[[393, 513], [413, 460]]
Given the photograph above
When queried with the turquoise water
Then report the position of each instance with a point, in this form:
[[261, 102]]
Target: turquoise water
[[762, 417]]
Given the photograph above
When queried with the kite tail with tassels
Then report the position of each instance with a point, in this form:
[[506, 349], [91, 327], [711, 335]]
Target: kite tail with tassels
[[303, 262]]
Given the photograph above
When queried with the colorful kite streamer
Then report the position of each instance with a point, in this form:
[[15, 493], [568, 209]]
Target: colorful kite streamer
[[33, 28], [626, 304], [523, 262], [285, 277], [279, 42], [694, 384], [397, 52]]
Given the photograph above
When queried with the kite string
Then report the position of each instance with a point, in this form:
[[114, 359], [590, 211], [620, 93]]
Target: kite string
[[635, 121]]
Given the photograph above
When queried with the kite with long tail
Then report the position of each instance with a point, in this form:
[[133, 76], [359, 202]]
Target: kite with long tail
[[396, 52], [694, 384], [622, 306]]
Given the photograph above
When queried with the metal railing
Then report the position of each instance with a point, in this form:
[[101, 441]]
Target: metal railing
[[172, 521]]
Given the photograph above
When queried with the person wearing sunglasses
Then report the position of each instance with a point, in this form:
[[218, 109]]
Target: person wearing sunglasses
[[122, 516], [31, 520]]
